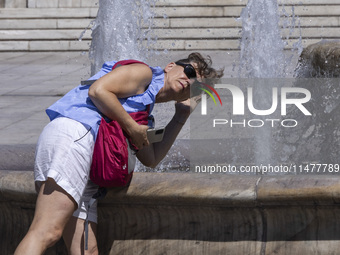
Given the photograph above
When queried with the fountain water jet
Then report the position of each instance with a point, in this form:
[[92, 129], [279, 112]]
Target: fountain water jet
[[123, 30], [262, 56], [261, 45], [119, 33]]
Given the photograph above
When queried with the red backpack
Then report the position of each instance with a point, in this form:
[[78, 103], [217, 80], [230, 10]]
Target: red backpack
[[110, 155]]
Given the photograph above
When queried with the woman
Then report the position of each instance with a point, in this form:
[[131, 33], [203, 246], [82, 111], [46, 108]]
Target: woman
[[65, 147]]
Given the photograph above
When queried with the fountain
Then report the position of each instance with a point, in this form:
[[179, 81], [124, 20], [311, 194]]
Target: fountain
[[264, 67], [294, 138], [123, 30], [262, 48], [120, 31], [264, 62]]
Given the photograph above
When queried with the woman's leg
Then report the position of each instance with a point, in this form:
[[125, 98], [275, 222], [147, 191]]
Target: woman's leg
[[74, 237], [54, 208]]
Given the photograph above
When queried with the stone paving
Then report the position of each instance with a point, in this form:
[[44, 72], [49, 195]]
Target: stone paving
[[30, 83]]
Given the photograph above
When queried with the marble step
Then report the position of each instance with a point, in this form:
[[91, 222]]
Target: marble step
[[168, 11], [185, 22], [200, 26], [175, 33], [183, 44]]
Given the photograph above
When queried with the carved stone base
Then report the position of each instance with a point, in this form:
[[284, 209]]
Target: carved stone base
[[187, 213]]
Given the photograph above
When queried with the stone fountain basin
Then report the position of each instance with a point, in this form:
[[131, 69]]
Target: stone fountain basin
[[188, 213]]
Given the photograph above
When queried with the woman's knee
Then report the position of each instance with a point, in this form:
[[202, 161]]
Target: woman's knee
[[53, 209], [48, 235], [53, 236]]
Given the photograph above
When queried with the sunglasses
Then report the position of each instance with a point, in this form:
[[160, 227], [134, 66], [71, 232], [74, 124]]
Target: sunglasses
[[189, 70]]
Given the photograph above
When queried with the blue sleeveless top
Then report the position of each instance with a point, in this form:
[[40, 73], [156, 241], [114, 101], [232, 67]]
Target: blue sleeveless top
[[77, 105]]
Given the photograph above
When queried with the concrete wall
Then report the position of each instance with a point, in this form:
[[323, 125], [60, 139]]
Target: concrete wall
[[183, 213]]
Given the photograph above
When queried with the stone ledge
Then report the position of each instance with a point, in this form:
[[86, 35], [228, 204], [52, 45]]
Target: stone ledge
[[299, 190], [17, 157], [199, 189]]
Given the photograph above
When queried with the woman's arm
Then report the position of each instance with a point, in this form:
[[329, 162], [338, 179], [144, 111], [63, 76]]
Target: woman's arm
[[122, 82], [151, 155]]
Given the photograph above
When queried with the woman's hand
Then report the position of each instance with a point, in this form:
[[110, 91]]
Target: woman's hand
[[138, 136], [186, 107]]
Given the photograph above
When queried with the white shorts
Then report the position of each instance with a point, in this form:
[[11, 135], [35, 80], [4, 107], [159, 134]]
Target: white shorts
[[64, 153]]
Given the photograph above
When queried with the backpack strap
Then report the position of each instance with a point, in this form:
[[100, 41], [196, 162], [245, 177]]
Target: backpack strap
[[98, 195], [118, 64], [127, 62]]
